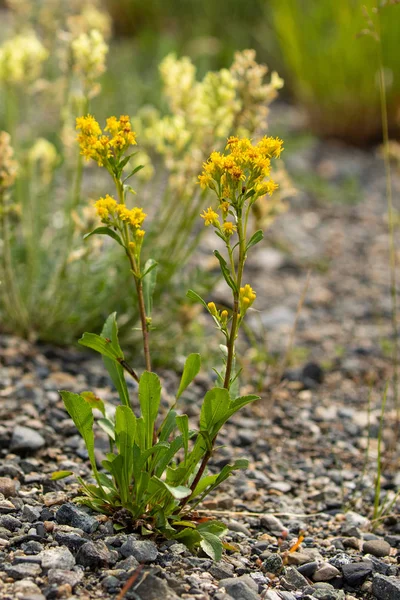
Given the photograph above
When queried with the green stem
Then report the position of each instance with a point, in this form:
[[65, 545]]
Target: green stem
[[13, 296], [231, 342], [135, 268], [235, 315]]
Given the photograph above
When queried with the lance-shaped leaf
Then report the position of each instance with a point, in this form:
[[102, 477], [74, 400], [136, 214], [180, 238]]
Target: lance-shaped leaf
[[125, 429], [116, 372], [225, 271], [149, 399], [190, 370], [100, 344], [182, 422], [196, 298], [94, 402], [255, 238], [81, 414], [214, 409], [149, 279], [105, 231]]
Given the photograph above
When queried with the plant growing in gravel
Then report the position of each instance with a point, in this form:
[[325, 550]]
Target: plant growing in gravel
[[155, 473]]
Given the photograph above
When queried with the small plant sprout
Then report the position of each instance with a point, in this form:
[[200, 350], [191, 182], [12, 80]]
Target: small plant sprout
[[156, 472]]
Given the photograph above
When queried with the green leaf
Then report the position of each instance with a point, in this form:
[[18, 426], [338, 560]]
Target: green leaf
[[188, 536], [149, 283], [203, 484], [215, 527], [168, 426], [238, 403], [255, 238], [125, 422], [60, 475], [135, 170], [107, 426], [214, 409], [105, 231], [166, 458], [125, 429], [182, 422], [81, 414], [100, 344], [190, 370], [179, 492], [211, 545], [94, 401], [149, 399], [225, 271], [114, 368], [196, 298]]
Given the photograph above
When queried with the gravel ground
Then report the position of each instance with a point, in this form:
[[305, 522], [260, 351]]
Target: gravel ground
[[312, 460]]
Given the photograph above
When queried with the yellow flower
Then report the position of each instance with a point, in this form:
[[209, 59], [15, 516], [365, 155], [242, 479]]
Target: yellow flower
[[246, 298], [232, 141], [267, 187], [213, 309], [244, 162], [112, 125], [228, 228], [98, 145], [205, 180], [210, 217], [271, 146], [134, 216], [105, 207]]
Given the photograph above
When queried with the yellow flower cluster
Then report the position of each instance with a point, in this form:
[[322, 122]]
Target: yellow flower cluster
[[21, 59], [99, 145], [89, 51], [220, 316], [245, 165], [8, 165], [246, 298], [110, 212]]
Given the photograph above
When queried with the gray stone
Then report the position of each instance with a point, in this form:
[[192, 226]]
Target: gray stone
[[221, 570], [328, 594], [128, 564], [9, 522], [308, 569], [23, 570], [56, 558], [386, 588], [62, 576], [111, 584], [339, 560], [145, 551], [70, 514], [293, 580], [378, 548], [154, 588], [72, 540], [273, 525], [356, 573], [272, 595], [31, 513], [26, 439], [326, 572], [238, 589], [272, 562], [96, 555]]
